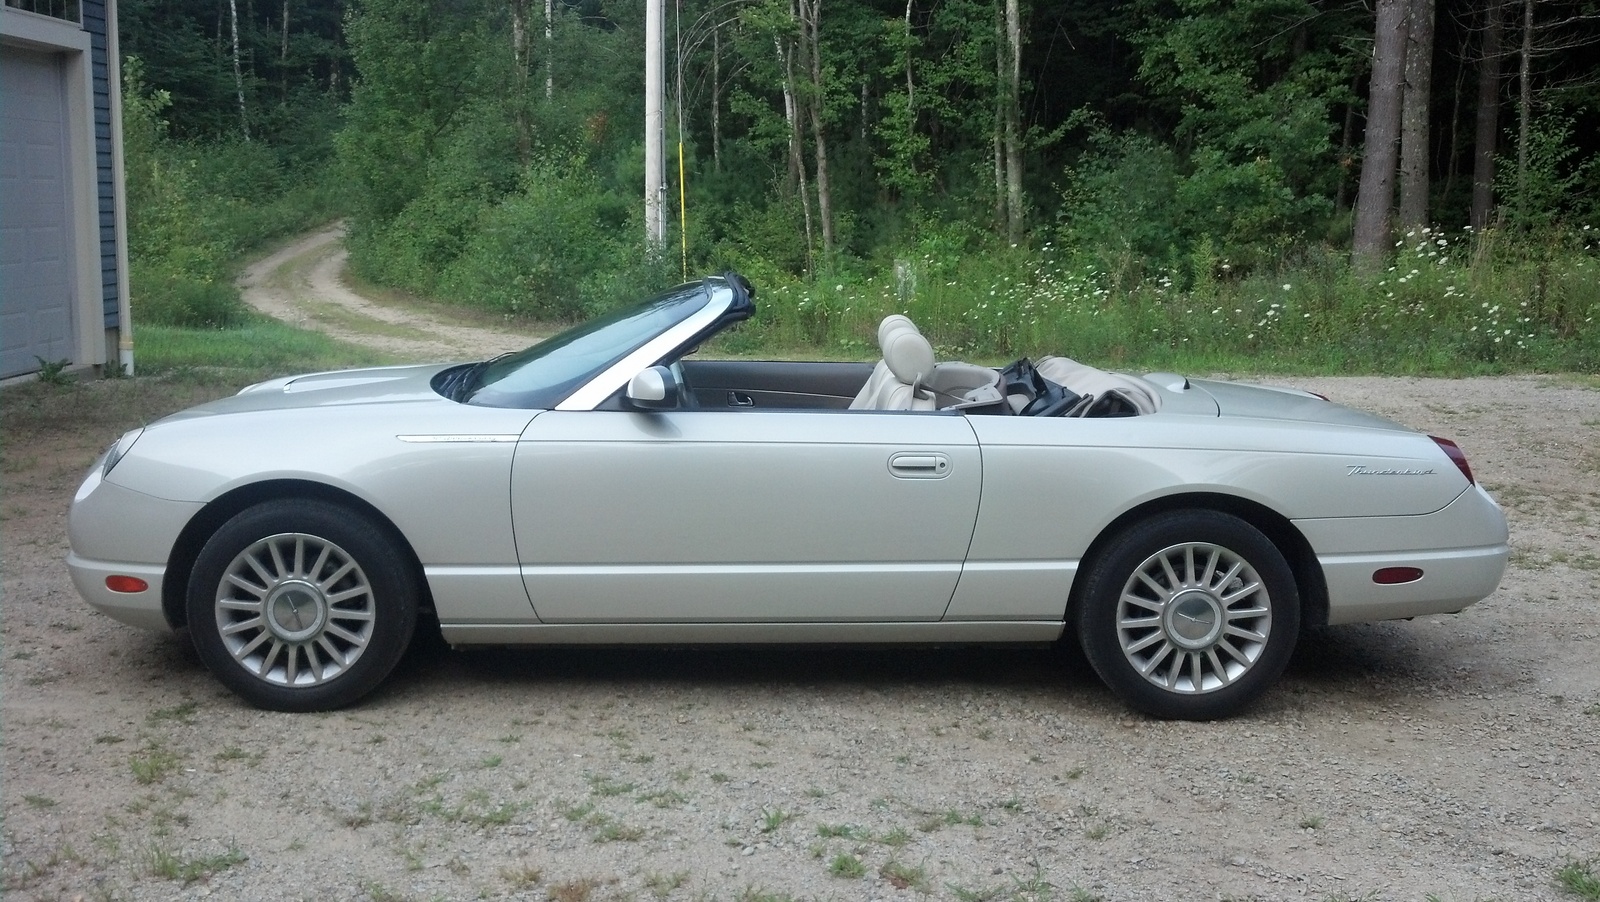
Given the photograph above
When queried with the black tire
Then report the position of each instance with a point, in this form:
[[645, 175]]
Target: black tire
[[1190, 615], [301, 605]]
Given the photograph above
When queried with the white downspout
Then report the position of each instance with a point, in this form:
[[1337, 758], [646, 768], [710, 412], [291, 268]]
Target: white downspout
[[119, 192]]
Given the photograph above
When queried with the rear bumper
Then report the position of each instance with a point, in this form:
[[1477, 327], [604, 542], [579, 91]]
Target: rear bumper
[[1451, 580], [1461, 550]]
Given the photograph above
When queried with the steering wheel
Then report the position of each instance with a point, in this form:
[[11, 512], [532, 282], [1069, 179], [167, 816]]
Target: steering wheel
[[686, 398]]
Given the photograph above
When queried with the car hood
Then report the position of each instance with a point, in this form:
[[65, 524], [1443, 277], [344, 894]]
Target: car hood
[[1267, 403], [376, 385]]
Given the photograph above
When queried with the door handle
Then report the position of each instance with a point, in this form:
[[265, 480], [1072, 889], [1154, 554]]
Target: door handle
[[740, 399], [919, 465]]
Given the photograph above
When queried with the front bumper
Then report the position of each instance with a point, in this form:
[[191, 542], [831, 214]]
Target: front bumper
[[141, 609], [116, 531]]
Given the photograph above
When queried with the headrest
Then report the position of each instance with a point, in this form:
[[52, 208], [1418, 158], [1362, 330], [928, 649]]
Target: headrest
[[891, 322], [907, 354]]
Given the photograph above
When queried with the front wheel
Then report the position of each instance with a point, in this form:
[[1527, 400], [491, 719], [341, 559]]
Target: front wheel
[[1189, 615], [301, 605]]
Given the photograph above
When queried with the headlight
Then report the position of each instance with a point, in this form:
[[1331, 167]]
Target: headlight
[[118, 449]]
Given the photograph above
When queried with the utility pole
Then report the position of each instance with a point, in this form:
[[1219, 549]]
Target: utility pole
[[655, 222]]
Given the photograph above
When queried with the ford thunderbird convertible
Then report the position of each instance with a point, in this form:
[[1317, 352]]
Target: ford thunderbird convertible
[[606, 486]]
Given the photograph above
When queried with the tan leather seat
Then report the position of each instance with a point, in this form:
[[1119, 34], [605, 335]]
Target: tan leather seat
[[899, 381]]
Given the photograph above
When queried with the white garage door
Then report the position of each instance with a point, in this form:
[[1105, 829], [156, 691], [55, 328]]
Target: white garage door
[[36, 241]]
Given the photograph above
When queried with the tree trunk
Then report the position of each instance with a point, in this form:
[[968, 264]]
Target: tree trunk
[[811, 50], [1415, 138], [519, 79], [1375, 194], [997, 134], [1524, 107], [1013, 133], [797, 163], [549, 49], [1346, 152], [1486, 138], [911, 87], [283, 55], [1452, 146], [238, 73], [716, 98]]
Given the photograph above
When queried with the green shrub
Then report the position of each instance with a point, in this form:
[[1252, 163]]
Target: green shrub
[[166, 296], [536, 252]]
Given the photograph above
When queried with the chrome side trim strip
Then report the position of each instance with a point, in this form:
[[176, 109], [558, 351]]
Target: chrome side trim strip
[[534, 571], [459, 438], [996, 632]]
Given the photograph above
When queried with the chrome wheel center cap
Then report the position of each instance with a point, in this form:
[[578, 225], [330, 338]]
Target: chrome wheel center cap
[[296, 611], [1194, 620]]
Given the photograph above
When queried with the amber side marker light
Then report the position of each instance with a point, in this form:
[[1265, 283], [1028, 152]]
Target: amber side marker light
[[126, 584], [1394, 576]]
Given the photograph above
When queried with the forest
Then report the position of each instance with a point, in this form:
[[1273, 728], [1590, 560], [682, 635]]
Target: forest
[[1412, 185]]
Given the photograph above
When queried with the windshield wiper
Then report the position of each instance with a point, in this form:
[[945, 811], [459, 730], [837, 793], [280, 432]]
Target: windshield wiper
[[467, 382], [454, 385]]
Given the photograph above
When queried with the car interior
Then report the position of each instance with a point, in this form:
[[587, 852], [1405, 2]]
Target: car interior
[[909, 378]]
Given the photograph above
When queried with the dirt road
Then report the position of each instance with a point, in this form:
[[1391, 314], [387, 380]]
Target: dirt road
[[303, 283], [1453, 758]]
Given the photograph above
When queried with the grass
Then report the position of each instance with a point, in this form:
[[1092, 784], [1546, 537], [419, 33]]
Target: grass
[[1451, 305], [153, 764], [1581, 879], [24, 874], [347, 320], [616, 831], [664, 798], [904, 876], [605, 786], [181, 713], [847, 866], [662, 885], [774, 818], [948, 818], [260, 349], [895, 838], [187, 870]]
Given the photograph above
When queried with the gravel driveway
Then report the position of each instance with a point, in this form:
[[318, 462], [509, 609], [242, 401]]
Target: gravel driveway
[[1453, 757]]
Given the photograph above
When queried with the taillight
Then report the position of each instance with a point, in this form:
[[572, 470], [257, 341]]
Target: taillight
[[1395, 576], [1453, 451]]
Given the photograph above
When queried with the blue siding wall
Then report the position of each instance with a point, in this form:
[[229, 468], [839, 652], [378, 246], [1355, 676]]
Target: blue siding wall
[[94, 22]]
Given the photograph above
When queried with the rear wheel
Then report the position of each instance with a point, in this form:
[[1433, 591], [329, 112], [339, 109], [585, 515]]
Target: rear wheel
[[1190, 614], [301, 605]]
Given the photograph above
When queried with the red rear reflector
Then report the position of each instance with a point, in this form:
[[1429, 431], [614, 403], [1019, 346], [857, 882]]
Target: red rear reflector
[[1394, 576], [1453, 452], [126, 584]]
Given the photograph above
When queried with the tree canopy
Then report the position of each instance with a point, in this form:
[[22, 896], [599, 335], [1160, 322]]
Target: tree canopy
[[495, 148]]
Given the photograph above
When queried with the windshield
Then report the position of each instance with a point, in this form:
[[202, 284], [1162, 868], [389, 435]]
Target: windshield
[[541, 376]]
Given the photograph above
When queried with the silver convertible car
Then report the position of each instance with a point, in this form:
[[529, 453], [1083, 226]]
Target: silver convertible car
[[605, 487]]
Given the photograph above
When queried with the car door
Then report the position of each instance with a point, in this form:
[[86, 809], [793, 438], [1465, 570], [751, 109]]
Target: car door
[[743, 515]]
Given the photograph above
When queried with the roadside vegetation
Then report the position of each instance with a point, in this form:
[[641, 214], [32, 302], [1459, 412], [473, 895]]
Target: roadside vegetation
[[1181, 194]]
